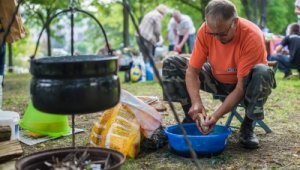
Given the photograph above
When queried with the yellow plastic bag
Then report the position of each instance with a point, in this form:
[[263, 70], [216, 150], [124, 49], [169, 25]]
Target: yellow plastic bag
[[117, 129]]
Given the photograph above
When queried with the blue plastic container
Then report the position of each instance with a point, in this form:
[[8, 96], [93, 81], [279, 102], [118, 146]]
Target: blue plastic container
[[204, 145], [149, 72]]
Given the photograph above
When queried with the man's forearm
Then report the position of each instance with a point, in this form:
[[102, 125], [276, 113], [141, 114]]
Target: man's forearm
[[230, 102], [184, 39], [278, 49]]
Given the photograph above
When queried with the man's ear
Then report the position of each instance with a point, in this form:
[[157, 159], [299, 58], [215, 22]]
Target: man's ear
[[235, 20]]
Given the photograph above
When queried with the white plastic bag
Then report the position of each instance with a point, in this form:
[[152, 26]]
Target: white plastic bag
[[148, 118]]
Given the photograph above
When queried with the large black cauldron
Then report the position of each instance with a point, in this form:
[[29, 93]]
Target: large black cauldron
[[74, 84]]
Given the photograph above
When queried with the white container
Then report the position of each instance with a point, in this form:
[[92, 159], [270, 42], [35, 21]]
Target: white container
[[9, 118]]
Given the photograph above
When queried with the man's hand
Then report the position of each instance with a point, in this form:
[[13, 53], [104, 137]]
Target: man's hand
[[200, 124], [205, 124], [177, 48], [197, 108], [210, 122]]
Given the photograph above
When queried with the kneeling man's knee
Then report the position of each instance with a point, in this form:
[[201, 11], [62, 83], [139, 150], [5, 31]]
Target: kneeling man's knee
[[262, 70]]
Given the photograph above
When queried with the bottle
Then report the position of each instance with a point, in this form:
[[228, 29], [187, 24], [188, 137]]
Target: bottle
[[149, 72], [143, 69]]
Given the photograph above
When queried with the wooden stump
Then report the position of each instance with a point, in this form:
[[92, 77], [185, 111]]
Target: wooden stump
[[10, 150], [5, 133]]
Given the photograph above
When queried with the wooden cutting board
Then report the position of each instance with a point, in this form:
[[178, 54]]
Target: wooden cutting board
[[154, 102], [9, 150], [10, 165]]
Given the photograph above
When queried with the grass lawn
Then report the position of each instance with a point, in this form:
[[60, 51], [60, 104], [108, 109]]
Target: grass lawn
[[280, 149]]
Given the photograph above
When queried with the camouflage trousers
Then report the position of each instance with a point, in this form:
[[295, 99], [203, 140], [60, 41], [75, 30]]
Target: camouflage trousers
[[258, 85]]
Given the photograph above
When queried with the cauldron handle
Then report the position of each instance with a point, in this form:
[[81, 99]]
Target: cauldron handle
[[65, 11], [101, 27]]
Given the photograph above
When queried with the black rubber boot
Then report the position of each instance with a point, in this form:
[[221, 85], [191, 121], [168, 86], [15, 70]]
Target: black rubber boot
[[247, 137], [187, 118]]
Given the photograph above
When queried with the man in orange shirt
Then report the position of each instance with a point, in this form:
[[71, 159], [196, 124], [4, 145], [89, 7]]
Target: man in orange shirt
[[229, 58]]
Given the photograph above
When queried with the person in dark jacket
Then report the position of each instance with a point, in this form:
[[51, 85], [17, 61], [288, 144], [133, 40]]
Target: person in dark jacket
[[286, 62]]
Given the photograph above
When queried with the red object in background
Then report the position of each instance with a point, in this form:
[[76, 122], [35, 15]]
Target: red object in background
[[177, 50], [276, 40]]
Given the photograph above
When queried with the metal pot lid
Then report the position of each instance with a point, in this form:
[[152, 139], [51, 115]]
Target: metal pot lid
[[74, 66], [74, 59]]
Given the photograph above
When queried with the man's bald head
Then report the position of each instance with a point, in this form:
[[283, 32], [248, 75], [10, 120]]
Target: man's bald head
[[177, 16]]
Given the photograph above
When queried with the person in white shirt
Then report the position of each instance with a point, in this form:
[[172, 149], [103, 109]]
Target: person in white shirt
[[297, 9], [150, 29], [184, 31], [171, 36]]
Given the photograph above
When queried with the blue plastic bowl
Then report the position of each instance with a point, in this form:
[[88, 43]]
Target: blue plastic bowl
[[204, 145]]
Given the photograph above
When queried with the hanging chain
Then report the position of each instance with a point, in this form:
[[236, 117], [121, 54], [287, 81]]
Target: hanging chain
[[72, 4]]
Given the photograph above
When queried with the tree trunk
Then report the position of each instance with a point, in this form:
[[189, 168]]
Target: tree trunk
[[125, 26], [142, 10], [48, 34], [255, 9], [247, 9], [10, 59], [263, 17], [203, 5]]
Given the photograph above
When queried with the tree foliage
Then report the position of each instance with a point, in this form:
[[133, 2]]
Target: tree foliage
[[110, 14]]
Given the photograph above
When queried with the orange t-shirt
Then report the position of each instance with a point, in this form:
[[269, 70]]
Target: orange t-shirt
[[234, 59]]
